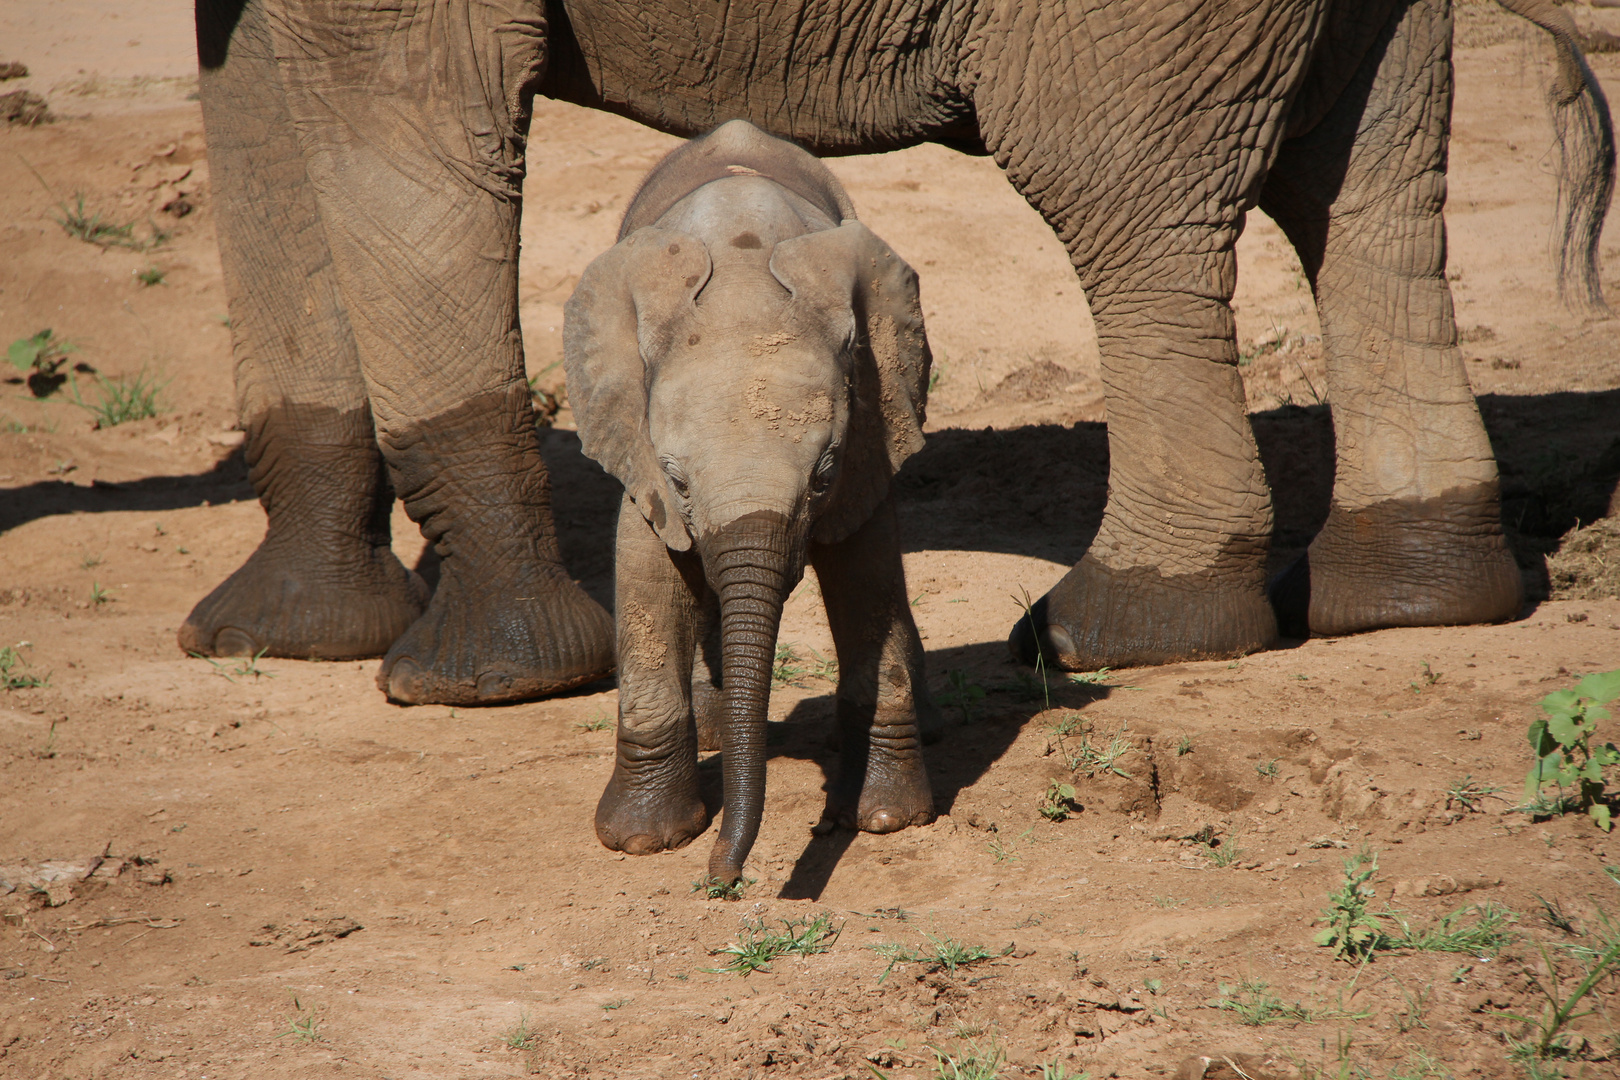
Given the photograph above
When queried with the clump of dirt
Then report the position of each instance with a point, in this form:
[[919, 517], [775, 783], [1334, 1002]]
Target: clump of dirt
[[20, 108], [1036, 382], [1586, 565]]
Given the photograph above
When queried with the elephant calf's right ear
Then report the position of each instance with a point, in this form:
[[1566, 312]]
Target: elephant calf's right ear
[[622, 312]]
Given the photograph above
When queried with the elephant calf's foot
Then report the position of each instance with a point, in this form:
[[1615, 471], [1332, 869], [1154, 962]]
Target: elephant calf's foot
[[307, 603], [894, 794], [639, 819], [1412, 562], [1100, 617], [509, 636]]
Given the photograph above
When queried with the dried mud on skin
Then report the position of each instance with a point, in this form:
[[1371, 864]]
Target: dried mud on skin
[[265, 870]]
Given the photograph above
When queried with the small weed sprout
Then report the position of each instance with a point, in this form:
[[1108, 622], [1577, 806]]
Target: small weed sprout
[[1255, 1005], [1001, 851], [122, 399], [1053, 1070], [98, 595], [975, 1062], [965, 693], [1564, 755], [1058, 802], [600, 722], [757, 946], [303, 1025], [943, 953], [12, 679], [150, 276], [1185, 746], [1425, 680], [94, 229], [1469, 793], [520, 1036], [250, 666], [1352, 931], [1094, 760], [1548, 1038], [786, 670], [1268, 770], [616, 1003], [1222, 853], [1099, 677], [39, 359], [1481, 931], [715, 889], [1023, 601]]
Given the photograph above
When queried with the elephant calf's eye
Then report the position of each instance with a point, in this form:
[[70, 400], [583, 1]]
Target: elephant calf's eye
[[676, 479], [822, 478]]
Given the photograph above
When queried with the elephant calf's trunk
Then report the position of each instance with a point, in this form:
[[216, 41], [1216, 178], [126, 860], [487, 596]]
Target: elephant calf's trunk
[[748, 566]]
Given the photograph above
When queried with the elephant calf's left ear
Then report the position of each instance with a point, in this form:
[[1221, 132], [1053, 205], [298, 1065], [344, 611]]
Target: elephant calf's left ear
[[848, 269]]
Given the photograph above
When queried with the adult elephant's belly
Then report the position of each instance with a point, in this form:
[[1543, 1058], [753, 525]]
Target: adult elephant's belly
[[831, 77]]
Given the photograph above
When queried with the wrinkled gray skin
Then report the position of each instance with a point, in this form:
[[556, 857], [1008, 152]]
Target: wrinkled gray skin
[[750, 361], [369, 160]]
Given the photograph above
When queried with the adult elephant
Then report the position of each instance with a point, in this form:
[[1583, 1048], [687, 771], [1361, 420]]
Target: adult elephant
[[369, 161]]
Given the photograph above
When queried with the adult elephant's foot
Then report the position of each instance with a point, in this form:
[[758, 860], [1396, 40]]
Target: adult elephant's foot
[[324, 584], [642, 812], [307, 601], [495, 633], [1414, 562], [506, 622], [1101, 617]]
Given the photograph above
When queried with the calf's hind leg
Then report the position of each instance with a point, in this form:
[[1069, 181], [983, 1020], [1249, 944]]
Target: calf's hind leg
[[1414, 534]]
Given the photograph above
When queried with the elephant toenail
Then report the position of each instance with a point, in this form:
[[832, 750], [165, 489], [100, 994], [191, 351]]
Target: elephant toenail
[[884, 821], [642, 844], [1058, 642], [405, 681], [232, 641], [492, 684]]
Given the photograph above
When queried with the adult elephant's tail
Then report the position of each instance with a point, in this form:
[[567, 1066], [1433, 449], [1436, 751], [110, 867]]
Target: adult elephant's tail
[[1585, 155]]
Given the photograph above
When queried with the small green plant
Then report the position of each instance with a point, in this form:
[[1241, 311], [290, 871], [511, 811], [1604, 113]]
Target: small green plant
[[150, 276], [600, 722], [1066, 725], [123, 399], [1185, 746], [787, 669], [1093, 759], [1058, 802], [1548, 1039], [1565, 757], [1053, 1070], [757, 946], [1168, 901], [250, 666], [94, 229], [1023, 601], [303, 1025], [974, 1063], [616, 1003], [943, 953], [1350, 929], [98, 595], [1222, 853], [1469, 793], [1001, 851], [966, 694], [1425, 680], [1099, 677], [520, 1036], [1267, 770], [40, 359], [1255, 1005], [715, 889], [1476, 930], [12, 679]]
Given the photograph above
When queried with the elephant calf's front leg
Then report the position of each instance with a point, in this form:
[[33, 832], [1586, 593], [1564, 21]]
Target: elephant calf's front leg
[[883, 698], [652, 803]]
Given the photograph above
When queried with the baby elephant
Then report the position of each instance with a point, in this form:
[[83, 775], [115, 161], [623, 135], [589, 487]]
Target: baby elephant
[[750, 362]]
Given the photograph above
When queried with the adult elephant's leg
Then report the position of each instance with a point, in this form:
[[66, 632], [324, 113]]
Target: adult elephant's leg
[[882, 703], [1414, 535], [324, 583], [652, 802], [1139, 133], [412, 122]]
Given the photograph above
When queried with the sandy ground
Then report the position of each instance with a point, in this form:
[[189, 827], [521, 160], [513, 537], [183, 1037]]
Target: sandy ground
[[222, 870]]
